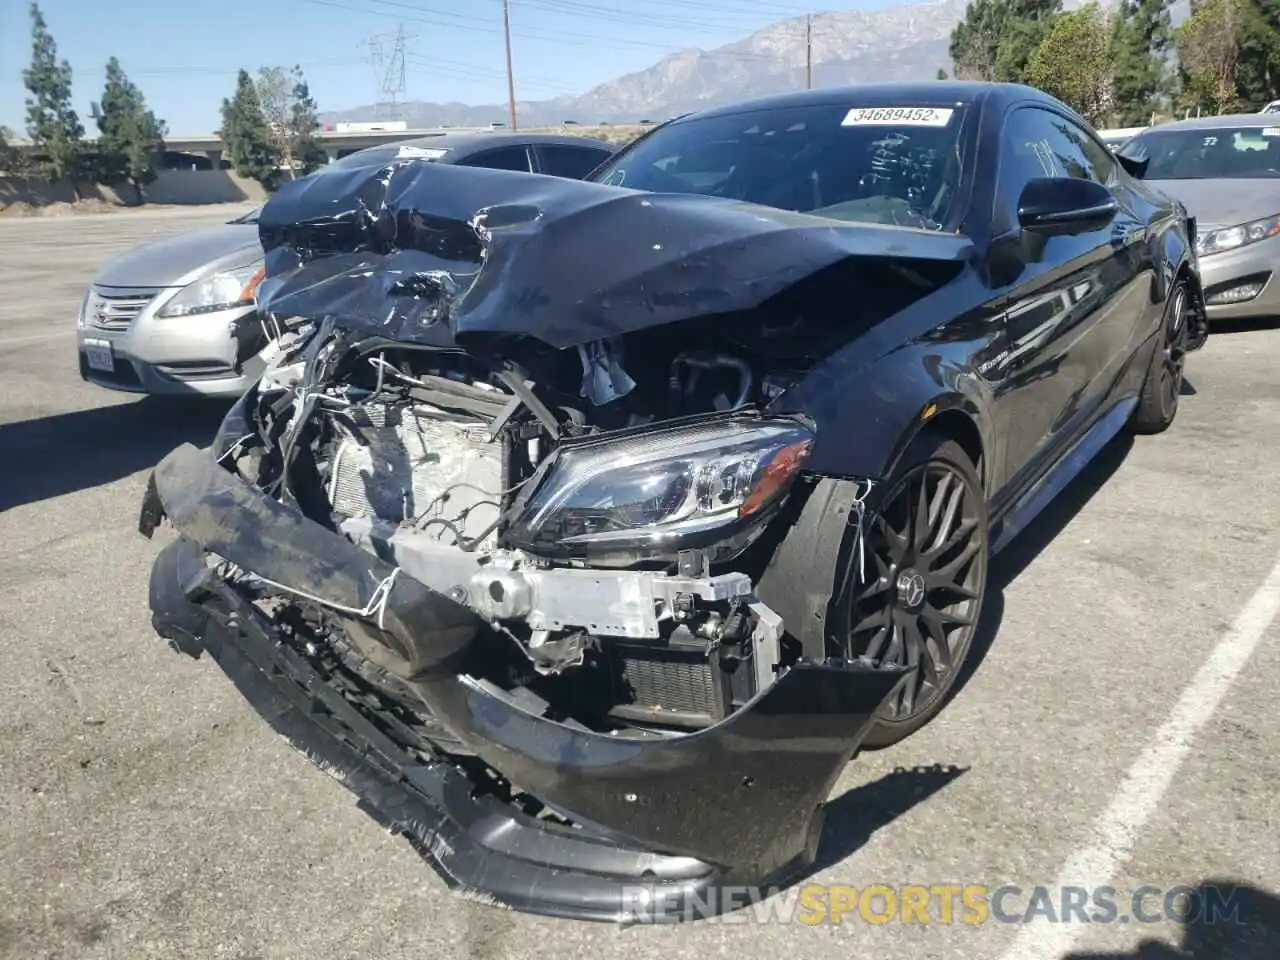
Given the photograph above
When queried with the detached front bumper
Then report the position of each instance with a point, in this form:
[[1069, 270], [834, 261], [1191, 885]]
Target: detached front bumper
[[662, 822]]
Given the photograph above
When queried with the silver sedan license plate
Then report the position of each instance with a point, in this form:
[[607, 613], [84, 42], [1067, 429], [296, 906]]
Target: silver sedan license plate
[[99, 355]]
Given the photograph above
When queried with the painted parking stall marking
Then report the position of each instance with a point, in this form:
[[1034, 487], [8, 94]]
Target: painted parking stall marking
[[1116, 830]]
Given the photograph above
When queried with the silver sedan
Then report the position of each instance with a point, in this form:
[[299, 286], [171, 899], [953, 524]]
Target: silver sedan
[[176, 316], [1226, 171]]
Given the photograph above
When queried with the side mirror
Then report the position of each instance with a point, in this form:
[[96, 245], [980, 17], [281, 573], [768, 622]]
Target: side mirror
[[1058, 206]]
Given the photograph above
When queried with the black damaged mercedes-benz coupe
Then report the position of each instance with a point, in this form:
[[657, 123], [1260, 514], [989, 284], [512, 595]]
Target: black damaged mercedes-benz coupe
[[586, 530]]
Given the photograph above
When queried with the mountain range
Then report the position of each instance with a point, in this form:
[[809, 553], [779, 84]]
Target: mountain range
[[899, 43]]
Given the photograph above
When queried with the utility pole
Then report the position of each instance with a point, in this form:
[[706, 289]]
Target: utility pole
[[808, 51], [511, 83]]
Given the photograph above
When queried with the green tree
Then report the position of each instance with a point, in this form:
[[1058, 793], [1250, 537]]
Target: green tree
[[1209, 45], [1073, 62], [12, 160], [1023, 36], [304, 124], [1258, 69], [247, 135], [56, 134], [290, 113], [129, 135], [975, 40], [1141, 39], [996, 38]]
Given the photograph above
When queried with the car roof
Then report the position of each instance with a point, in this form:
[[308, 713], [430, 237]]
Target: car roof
[[889, 93], [1226, 121]]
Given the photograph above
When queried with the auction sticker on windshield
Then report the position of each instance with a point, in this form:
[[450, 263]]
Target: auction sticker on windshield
[[420, 153], [898, 116]]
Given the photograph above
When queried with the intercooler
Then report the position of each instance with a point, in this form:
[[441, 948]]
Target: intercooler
[[651, 681], [416, 464]]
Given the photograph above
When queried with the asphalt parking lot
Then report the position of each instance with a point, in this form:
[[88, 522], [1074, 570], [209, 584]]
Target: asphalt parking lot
[[1120, 730]]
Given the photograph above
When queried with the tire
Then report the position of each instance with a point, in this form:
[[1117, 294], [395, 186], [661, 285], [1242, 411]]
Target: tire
[[1158, 401], [921, 597]]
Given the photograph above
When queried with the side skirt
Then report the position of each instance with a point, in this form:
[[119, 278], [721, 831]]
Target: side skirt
[[1056, 478]]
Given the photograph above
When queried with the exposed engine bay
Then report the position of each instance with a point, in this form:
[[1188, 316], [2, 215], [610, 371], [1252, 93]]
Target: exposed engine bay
[[426, 458]]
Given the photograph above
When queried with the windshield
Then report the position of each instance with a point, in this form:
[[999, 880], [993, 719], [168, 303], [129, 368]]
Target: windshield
[[895, 165], [1208, 154]]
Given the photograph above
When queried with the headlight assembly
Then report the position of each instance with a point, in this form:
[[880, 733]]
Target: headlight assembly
[[1228, 238], [222, 291], [664, 490]]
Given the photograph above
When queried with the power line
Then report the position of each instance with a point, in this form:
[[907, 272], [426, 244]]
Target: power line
[[224, 70], [670, 20], [414, 13], [434, 66]]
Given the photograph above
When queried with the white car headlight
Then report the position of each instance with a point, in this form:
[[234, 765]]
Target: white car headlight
[[221, 291], [661, 491], [1229, 238]]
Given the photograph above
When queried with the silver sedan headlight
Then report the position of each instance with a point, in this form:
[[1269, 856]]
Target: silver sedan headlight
[[661, 491], [221, 291], [1229, 238]]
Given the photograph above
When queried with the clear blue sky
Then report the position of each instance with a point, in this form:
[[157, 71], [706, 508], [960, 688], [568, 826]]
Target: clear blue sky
[[185, 58]]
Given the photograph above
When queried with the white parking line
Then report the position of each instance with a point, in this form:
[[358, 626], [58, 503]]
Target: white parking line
[[1116, 831], [34, 338]]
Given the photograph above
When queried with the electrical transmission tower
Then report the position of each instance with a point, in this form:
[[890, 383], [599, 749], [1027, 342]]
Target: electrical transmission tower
[[387, 55]]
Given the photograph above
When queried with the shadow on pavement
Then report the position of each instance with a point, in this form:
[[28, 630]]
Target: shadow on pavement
[[856, 814], [1242, 325], [1023, 549], [1250, 932], [51, 456]]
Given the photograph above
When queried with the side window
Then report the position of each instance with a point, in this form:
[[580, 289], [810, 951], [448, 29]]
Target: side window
[[503, 158], [1040, 143], [1101, 162], [572, 162]]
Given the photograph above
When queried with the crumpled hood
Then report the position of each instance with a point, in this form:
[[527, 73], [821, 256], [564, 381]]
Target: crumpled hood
[[1224, 203], [171, 261], [425, 252]]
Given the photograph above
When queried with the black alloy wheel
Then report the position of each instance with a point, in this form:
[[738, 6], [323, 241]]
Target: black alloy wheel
[[922, 585], [1158, 402], [1173, 359]]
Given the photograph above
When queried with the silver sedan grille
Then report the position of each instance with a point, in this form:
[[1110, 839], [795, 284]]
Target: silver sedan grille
[[116, 312]]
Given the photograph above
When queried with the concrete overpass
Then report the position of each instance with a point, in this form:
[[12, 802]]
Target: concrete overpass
[[336, 143]]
